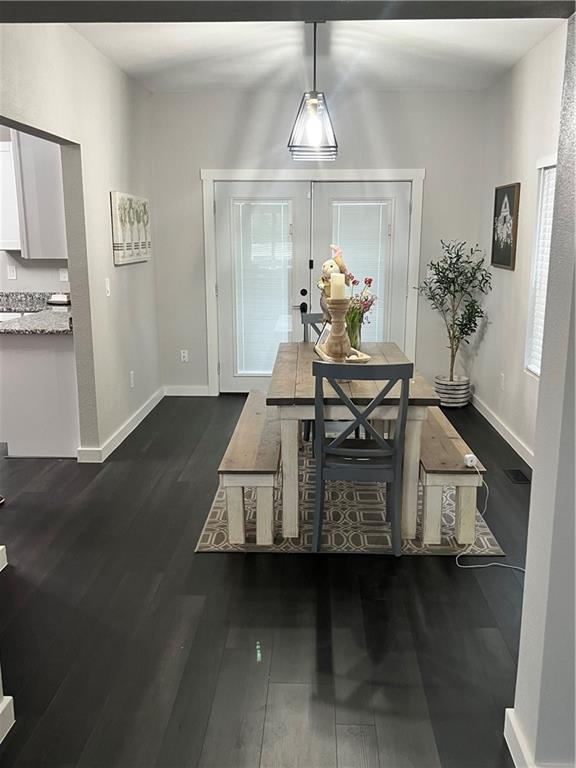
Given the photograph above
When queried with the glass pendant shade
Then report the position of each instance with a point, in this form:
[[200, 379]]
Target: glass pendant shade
[[312, 136]]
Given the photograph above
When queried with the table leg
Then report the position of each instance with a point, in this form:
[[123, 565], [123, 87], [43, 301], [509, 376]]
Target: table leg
[[466, 515], [289, 441], [410, 480], [235, 509], [265, 516], [432, 514]]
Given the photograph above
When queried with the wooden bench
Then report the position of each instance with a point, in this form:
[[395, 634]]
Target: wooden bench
[[251, 460], [442, 463]]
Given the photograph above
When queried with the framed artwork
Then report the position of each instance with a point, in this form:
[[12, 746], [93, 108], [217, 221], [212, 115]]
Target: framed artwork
[[130, 228], [505, 226]]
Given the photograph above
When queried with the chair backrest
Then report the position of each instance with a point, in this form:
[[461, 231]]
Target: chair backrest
[[313, 320], [333, 373]]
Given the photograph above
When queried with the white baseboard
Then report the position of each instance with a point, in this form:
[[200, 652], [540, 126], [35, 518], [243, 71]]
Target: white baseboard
[[3, 557], [187, 390], [522, 756], [520, 447], [98, 454], [6, 715], [516, 741]]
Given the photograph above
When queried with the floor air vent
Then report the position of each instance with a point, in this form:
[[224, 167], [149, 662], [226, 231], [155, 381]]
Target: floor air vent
[[516, 476]]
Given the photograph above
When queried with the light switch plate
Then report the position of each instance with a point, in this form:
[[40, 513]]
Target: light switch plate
[[63, 272], [12, 273]]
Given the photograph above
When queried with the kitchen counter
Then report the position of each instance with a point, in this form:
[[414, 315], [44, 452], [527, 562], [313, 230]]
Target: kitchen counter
[[55, 320], [23, 301], [38, 390]]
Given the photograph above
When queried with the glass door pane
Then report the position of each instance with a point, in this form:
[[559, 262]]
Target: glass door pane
[[263, 256], [362, 230], [370, 221]]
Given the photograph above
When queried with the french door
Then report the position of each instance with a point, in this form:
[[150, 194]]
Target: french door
[[271, 240], [371, 223], [262, 242]]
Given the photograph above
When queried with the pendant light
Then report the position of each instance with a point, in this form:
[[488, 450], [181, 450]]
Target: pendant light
[[312, 136]]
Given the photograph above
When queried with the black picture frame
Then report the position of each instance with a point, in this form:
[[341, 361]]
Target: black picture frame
[[505, 226]]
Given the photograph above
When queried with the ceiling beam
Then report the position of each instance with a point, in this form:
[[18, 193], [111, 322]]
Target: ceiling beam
[[77, 11]]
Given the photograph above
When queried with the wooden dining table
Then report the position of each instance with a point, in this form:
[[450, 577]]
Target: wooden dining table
[[291, 390]]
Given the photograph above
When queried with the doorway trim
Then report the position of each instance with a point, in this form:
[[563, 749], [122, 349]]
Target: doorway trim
[[415, 176]]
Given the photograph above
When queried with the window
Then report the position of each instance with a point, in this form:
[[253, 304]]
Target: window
[[546, 185], [362, 229], [263, 282]]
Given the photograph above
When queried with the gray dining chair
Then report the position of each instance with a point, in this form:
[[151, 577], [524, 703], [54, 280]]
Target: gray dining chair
[[314, 321], [370, 459]]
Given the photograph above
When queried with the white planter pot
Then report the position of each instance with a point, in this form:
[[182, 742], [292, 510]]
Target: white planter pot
[[453, 394]]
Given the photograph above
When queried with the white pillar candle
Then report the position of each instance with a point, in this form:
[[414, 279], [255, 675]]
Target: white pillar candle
[[337, 286]]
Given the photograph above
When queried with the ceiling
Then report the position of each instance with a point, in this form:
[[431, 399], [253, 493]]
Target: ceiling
[[369, 55]]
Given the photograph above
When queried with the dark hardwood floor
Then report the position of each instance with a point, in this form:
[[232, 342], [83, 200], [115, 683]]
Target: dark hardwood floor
[[122, 648]]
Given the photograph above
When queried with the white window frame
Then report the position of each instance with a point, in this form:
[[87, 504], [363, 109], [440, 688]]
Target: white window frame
[[543, 165], [210, 176]]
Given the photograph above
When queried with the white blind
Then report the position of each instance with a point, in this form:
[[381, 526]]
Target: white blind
[[540, 263], [262, 244], [361, 229]]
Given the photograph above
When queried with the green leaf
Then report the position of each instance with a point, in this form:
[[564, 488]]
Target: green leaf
[[454, 286]]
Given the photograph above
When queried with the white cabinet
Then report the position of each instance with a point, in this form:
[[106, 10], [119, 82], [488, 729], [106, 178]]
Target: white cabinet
[[39, 395], [9, 223], [32, 175]]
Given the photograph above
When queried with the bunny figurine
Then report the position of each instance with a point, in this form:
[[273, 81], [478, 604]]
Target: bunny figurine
[[329, 267]]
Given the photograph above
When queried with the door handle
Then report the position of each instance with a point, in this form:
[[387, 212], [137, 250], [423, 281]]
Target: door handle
[[303, 307]]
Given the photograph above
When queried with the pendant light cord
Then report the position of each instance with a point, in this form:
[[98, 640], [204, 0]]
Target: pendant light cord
[[315, 26]]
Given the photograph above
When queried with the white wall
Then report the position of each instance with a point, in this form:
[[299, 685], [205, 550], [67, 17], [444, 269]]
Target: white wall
[[55, 81], [468, 143], [441, 132], [32, 274], [522, 113], [540, 729]]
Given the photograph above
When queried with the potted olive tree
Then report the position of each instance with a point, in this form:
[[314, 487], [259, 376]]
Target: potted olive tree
[[455, 286]]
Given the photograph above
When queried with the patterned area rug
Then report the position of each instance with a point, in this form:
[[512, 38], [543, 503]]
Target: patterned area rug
[[354, 522]]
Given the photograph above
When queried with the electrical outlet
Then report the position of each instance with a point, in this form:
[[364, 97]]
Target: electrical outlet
[[132, 379], [12, 273], [107, 286], [63, 273], [502, 382], [184, 356]]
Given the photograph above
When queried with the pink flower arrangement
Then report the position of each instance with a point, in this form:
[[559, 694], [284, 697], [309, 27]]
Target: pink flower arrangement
[[360, 304]]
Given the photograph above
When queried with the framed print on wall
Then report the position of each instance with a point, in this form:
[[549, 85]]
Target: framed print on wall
[[505, 225], [130, 228]]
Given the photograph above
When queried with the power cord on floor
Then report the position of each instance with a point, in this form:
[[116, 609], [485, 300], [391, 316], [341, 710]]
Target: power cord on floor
[[465, 553]]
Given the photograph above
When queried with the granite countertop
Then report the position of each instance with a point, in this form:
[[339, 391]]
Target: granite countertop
[[43, 320], [23, 301]]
